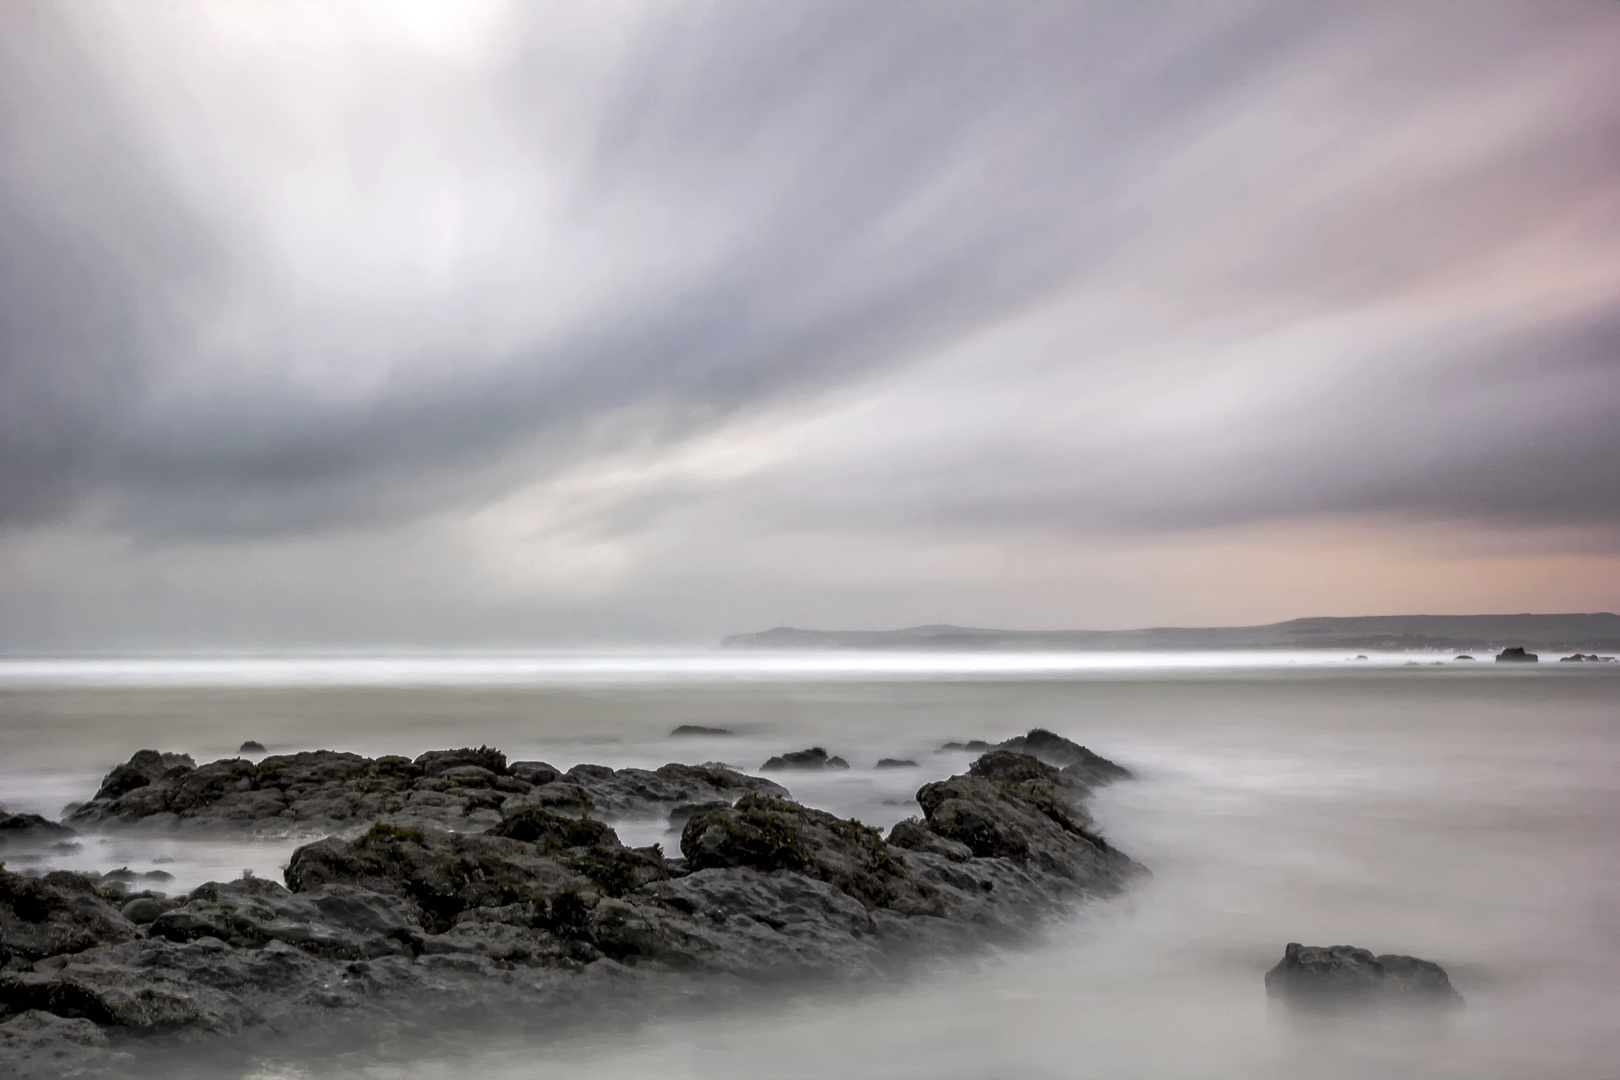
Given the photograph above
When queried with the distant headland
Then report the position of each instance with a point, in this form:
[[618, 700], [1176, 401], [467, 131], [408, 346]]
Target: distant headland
[[1384, 632]]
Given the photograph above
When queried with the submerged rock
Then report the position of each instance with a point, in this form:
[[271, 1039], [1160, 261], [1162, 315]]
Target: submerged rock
[[896, 763], [1327, 975], [1586, 658], [813, 758], [699, 729]]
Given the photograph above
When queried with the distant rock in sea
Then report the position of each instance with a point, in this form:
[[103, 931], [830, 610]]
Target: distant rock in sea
[[1463, 657], [1328, 975], [1515, 654], [252, 746], [813, 758], [699, 729], [1586, 658], [896, 763]]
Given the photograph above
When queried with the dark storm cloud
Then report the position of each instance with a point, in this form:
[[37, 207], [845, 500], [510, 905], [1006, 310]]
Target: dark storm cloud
[[872, 184]]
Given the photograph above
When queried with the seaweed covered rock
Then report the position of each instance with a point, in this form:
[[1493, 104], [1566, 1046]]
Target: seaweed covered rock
[[59, 913], [767, 832], [1333, 975], [466, 789]]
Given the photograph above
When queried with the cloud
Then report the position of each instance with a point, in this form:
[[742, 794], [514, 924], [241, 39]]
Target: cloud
[[621, 280]]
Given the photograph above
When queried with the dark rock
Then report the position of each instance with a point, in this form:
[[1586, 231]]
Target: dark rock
[[1056, 750], [682, 813], [546, 902], [896, 763], [915, 835], [252, 746], [1586, 658], [813, 758], [533, 772], [1463, 657], [38, 1044], [1327, 975], [699, 729], [768, 832], [31, 829], [977, 746], [1515, 654], [435, 762], [463, 789], [143, 910], [58, 913]]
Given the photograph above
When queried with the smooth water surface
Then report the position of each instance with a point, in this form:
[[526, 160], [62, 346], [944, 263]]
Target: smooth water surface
[[1464, 813]]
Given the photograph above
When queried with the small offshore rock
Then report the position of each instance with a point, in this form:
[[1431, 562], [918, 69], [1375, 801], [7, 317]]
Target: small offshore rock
[[813, 758], [699, 729], [1515, 654], [1586, 658], [1465, 656], [1329, 975], [896, 763], [252, 746]]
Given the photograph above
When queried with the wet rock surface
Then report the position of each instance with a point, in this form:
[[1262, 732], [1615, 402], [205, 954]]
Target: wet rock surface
[[324, 790], [546, 905], [1054, 750], [1328, 976]]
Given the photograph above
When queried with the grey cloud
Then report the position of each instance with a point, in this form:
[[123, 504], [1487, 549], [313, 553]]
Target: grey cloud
[[886, 182]]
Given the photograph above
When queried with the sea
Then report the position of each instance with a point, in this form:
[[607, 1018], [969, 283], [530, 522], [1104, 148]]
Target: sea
[[1466, 812]]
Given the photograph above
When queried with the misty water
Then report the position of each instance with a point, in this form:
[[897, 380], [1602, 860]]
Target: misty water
[[1463, 813]]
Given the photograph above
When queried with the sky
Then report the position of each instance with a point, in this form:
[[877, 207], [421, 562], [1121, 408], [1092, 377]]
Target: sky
[[478, 323]]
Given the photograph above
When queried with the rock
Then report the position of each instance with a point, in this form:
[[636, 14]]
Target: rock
[[1586, 658], [38, 1044], [1463, 657], [252, 746], [547, 905], [699, 729], [1328, 975], [896, 763], [1055, 750], [813, 758], [142, 910], [915, 835], [31, 829], [324, 790], [58, 913], [533, 772], [1515, 654]]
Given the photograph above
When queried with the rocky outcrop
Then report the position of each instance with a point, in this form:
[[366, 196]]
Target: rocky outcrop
[[529, 909], [1515, 654], [1585, 658], [813, 758], [323, 790], [1055, 750], [1334, 975], [696, 730]]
